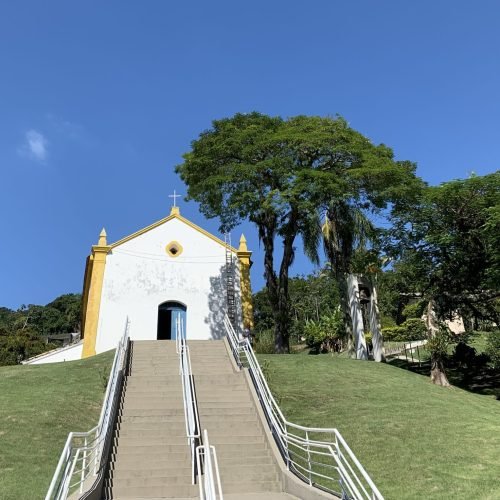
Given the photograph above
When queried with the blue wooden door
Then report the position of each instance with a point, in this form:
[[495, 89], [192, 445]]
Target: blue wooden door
[[178, 315]]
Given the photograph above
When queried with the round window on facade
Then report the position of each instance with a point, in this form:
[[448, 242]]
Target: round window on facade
[[174, 249]]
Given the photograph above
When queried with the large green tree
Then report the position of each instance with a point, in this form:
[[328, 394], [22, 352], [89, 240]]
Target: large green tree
[[447, 250], [281, 174]]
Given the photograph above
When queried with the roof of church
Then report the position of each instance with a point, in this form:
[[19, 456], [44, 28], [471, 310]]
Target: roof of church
[[174, 214]]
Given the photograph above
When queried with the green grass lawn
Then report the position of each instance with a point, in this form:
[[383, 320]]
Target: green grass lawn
[[39, 406], [416, 440]]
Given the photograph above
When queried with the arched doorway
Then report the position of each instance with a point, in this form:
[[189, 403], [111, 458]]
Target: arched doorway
[[168, 312]]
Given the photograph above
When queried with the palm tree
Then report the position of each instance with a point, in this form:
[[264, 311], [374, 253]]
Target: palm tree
[[345, 230]]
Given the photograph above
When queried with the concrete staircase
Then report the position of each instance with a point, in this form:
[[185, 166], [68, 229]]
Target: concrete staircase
[[150, 456], [247, 467]]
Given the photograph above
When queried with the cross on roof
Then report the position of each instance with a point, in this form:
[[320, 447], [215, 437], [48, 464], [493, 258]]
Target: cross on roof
[[174, 196]]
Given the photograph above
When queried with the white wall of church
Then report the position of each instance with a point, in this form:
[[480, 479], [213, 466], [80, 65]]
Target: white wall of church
[[140, 275]]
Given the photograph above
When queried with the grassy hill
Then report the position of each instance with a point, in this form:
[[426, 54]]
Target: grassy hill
[[416, 440], [39, 406]]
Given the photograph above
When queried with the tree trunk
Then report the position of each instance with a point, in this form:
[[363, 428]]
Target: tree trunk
[[277, 286], [375, 327], [438, 374], [346, 312]]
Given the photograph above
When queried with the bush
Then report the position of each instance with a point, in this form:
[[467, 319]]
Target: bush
[[327, 333], [493, 348], [414, 310], [264, 342], [415, 328], [437, 345], [411, 329], [464, 354]]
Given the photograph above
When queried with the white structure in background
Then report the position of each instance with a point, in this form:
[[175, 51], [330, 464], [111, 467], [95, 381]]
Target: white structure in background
[[361, 291], [67, 353]]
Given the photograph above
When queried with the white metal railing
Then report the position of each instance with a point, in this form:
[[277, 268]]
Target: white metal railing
[[209, 482], [319, 456], [188, 394], [81, 458]]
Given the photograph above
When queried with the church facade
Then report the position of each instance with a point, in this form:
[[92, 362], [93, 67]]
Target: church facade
[[169, 271]]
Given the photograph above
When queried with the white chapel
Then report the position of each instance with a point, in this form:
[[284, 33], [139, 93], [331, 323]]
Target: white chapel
[[170, 269]]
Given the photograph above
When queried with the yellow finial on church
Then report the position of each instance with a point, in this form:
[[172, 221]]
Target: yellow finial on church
[[243, 244], [102, 238], [175, 211]]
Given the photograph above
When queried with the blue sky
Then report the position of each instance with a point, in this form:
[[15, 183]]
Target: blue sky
[[98, 101]]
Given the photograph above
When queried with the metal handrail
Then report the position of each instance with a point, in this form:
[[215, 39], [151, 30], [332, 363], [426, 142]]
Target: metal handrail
[[312, 453], [209, 483], [82, 457], [192, 418]]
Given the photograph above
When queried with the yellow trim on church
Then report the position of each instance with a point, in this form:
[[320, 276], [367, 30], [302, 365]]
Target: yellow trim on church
[[244, 256], [174, 214], [92, 299]]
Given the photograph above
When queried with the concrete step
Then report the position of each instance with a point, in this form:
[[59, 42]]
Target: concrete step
[[220, 380], [153, 371], [259, 496], [238, 471], [163, 449], [230, 438], [152, 403], [248, 475], [152, 385], [151, 462], [214, 420], [245, 461], [152, 398], [222, 398], [161, 380], [151, 412], [253, 487], [225, 412], [225, 404], [151, 393], [148, 481], [151, 421], [173, 470], [246, 449], [155, 440], [173, 491], [144, 430], [235, 430]]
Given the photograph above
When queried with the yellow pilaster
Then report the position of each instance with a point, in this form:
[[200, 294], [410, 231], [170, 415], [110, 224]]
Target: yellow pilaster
[[245, 286], [93, 300]]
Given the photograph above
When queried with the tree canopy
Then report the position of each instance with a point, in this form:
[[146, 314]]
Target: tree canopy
[[23, 332], [282, 174], [447, 243]]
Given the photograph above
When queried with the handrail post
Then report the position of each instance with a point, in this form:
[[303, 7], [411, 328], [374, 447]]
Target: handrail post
[[84, 463], [308, 457]]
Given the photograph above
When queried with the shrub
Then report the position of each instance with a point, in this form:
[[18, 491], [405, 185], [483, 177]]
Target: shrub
[[438, 344], [415, 328], [264, 342], [411, 329], [414, 310], [327, 333], [464, 354], [493, 348]]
